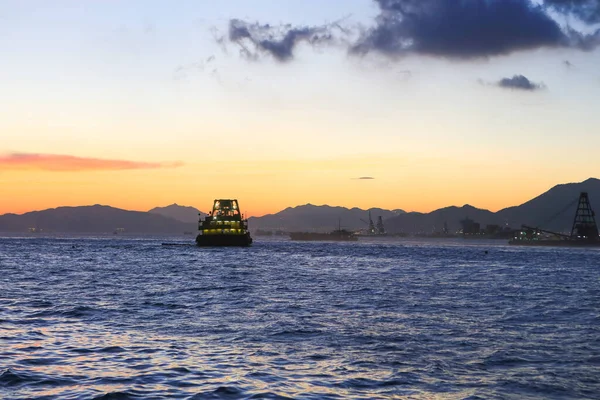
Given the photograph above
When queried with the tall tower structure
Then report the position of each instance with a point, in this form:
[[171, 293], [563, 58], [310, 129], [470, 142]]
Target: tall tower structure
[[584, 224], [380, 227], [371, 225]]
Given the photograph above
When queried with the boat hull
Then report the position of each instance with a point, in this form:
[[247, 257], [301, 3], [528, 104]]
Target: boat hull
[[223, 240]]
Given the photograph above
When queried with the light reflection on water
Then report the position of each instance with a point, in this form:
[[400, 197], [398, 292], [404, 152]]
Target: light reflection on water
[[82, 319], [120, 361]]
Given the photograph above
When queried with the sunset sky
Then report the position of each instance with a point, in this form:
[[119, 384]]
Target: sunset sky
[[144, 103]]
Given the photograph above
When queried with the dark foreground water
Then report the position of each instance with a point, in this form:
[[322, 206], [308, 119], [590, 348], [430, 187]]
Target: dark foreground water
[[128, 318]]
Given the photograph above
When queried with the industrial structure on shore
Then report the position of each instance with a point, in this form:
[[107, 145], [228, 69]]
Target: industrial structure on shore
[[584, 232], [373, 230]]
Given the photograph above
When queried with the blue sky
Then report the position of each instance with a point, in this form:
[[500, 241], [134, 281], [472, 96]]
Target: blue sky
[[147, 81]]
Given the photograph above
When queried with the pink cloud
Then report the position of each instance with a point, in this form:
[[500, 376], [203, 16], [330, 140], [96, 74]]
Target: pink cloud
[[55, 162]]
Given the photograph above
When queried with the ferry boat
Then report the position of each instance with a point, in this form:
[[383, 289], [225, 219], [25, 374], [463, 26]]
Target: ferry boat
[[224, 226]]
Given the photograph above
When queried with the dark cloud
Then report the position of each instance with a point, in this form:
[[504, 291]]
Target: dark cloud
[[278, 41], [519, 82], [459, 28], [365, 178], [454, 29], [586, 10]]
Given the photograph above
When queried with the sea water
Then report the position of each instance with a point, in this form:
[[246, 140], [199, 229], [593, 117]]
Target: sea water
[[128, 318]]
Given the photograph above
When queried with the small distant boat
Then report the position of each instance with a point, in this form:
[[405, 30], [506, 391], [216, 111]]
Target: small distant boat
[[584, 232], [338, 235], [224, 226]]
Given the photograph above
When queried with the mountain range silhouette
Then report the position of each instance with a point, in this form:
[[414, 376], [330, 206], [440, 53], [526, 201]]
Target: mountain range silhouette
[[552, 210]]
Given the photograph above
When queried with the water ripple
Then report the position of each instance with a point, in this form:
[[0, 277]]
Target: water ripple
[[126, 318]]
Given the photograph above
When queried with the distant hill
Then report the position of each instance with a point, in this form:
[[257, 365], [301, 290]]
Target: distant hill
[[93, 219], [319, 218], [181, 213], [553, 210]]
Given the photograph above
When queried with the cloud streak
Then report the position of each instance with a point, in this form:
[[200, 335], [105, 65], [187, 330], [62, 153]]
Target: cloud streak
[[66, 163]]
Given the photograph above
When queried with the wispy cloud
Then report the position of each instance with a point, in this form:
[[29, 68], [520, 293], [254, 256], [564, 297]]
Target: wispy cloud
[[56, 162], [586, 10], [364, 178], [278, 41]]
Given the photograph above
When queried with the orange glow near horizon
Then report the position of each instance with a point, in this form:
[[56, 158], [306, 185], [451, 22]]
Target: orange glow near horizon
[[267, 187]]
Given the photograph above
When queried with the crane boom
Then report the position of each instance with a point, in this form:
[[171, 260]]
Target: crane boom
[[545, 231]]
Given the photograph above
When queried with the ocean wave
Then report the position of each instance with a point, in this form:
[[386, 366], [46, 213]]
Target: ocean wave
[[129, 319]]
